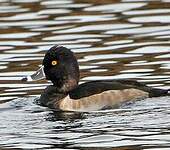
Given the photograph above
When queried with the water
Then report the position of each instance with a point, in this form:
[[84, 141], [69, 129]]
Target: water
[[112, 40]]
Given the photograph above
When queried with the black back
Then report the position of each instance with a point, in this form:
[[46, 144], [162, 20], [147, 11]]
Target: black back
[[96, 87]]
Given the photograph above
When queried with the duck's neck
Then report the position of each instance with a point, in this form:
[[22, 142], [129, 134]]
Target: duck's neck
[[65, 86]]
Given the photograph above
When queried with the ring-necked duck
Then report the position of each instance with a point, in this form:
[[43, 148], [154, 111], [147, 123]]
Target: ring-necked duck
[[61, 67]]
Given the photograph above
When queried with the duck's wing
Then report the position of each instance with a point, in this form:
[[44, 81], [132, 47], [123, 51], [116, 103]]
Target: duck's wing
[[96, 87]]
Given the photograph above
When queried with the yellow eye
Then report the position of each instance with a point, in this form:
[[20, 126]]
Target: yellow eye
[[54, 62]]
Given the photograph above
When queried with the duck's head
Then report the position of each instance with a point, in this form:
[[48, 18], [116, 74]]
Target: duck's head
[[61, 67]]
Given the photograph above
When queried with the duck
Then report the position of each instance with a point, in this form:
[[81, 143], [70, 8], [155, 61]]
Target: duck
[[61, 67]]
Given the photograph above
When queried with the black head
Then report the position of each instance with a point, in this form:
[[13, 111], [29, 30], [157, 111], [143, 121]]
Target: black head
[[61, 67]]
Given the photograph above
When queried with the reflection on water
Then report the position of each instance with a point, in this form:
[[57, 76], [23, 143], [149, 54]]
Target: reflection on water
[[111, 39]]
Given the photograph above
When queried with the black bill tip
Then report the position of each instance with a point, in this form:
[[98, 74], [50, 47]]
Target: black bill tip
[[24, 79]]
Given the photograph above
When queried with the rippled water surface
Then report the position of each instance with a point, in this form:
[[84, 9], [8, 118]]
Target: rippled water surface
[[112, 40]]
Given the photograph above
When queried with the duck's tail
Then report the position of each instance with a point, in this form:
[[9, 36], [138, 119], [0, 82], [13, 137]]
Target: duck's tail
[[155, 92]]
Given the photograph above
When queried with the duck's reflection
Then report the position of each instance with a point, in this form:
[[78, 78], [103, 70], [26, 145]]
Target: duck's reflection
[[65, 116]]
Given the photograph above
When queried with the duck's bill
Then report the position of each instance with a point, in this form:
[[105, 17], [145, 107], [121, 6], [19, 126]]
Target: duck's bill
[[38, 75]]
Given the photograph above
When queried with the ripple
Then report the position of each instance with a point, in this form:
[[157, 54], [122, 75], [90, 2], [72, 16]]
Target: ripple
[[165, 66], [156, 77], [105, 62], [3, 67], [18, 35], [28, 51], [74, 37], [30, 1], [159, 18], [24, 85], [87, 67], [146, 12], [122, 143], [53, 11], [121, 76], [52, 28], [151, 49], [163, 37], [119, 42], [148, 63], [97, 28], [140, 30], [86, 18], [12, 9], [98, 70], [115, 7], [156, 148], [24, 16], [163, 56], [137, 70], [78, 5], [155, 34], [55, 2], [108, 56], [30, 23], [5, 47], [13, 93], [98, 139], [20, 57]]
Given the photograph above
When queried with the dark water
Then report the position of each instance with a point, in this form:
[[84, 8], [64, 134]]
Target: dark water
[[111, 39]]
